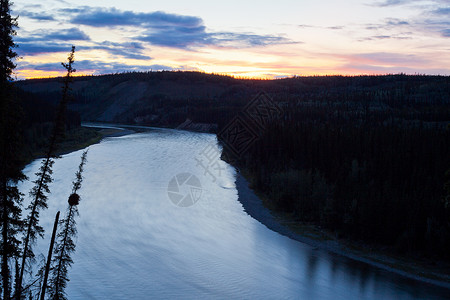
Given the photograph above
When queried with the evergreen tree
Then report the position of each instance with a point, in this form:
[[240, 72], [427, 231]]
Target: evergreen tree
[[65, 245], [7, 31], [10, 167], [40, 190]]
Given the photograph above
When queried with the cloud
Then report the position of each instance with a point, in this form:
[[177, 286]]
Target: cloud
[[445, 11], [392, 2], [40, 16], [45, 35], [101, 17], [388, 24], [438, 21], [131, 50], [335, 27], [396, 22], [51, 41], [169, 30], [382, 37], [388, 59], [153, 28], [387, 3], [432, 18], [128, 50], [188, 38], [385, 37], [436, 26], [177, 36], [248, 39], [36, 48], [93, 66], [71, 34]]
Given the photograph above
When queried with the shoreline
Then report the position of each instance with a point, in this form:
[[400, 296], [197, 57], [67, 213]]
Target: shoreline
[[254, 206], [102, 134]]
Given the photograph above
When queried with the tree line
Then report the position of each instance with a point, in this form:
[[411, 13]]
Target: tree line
[[368, 165]]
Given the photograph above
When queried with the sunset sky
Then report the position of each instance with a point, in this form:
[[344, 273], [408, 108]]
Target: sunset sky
[[269, 39]]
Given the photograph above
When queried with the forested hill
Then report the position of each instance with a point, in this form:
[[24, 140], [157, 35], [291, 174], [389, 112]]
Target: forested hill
[[169, 98], [364, 157]]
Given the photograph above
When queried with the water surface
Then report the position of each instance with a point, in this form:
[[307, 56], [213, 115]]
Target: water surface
[[134, 243]]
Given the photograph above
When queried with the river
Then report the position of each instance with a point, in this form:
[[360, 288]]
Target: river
[[137, 241]]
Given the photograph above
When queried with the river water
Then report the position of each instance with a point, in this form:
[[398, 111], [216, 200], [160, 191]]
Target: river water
[[135, 243]]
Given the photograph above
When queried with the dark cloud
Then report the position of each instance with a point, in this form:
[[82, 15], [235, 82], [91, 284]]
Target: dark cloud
[[396, 22], [186, 38], [50, 41], [44, 35], [388, 24], [177, 36], [396, 2], [101, 17], [36, 48], [125, 50], [156, 28], [169, 30], [71, 34], [392, 2], [131, 50], [40, 16], [437, 21], [94, 66], [444, 11]]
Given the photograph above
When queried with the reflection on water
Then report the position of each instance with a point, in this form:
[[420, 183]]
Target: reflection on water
[[134, 243]]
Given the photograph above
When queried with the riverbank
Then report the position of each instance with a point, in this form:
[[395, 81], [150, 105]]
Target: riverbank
[[307, 234], [315, 237], [80, 138]]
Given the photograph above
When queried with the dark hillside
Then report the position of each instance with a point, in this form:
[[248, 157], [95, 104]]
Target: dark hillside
[[363, 156], [169, 98]]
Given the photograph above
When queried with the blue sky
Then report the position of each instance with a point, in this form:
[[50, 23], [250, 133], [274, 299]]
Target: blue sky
[[267, 39]]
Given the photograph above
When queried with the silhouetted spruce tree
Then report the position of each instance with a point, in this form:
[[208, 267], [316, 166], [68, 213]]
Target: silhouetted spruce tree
[[7, 31], [65, 245], [10, 167], [40, 190]]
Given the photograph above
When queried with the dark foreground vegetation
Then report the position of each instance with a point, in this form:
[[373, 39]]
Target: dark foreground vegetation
[[363, 156], [30, 126], [37, 117], [380, 181], [366, 160]]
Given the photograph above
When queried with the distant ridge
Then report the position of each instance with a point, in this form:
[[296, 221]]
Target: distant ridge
[[170, 98]]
